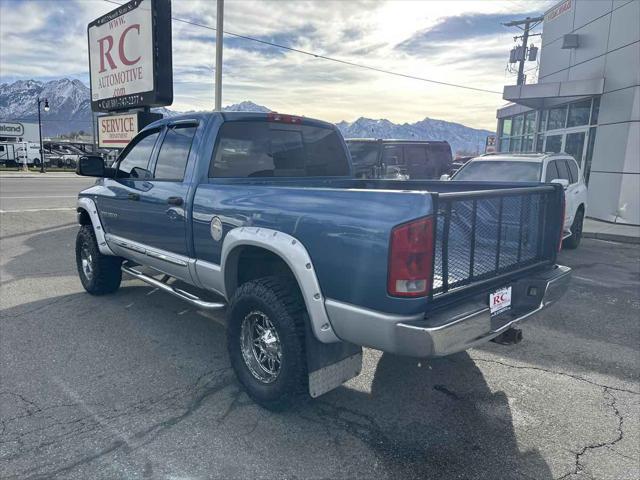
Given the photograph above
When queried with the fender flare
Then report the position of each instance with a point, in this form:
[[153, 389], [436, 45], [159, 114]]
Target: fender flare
[[89, 206], [295, 255]]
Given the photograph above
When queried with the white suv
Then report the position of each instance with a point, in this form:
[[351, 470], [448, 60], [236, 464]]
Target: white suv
[[535, 167]]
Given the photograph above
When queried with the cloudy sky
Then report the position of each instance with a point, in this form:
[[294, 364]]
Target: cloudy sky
[[461, 42]]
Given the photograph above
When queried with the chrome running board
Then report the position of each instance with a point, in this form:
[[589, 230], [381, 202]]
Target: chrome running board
[[177, 292]]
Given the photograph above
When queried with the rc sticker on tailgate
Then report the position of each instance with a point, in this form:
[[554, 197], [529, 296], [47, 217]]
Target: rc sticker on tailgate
[[500, 301]]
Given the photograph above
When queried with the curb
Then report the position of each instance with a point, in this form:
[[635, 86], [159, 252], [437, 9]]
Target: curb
[[612, 237]]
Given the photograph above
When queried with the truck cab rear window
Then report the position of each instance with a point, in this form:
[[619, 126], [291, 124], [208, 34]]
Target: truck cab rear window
[[266, 149]]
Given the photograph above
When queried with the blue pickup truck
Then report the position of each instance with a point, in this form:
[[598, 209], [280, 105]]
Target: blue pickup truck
[[259, 215]]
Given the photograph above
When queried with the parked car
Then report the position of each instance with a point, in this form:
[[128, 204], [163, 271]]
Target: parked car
[[259, 214], [558, 168], [399, 159]]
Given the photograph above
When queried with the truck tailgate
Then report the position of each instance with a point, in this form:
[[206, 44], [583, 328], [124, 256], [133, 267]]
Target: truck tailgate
[[485, 236]]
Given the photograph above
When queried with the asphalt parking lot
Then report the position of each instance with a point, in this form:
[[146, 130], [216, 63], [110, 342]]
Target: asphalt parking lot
[[138, 384]]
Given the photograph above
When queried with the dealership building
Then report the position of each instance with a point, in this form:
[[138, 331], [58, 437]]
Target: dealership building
[[586, 101]]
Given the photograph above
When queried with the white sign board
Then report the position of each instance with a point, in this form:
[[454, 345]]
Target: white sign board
[[130, 56], [116, 131], [121, 54]]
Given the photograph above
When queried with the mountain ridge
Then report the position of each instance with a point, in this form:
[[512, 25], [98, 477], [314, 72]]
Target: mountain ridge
[[70, 110]]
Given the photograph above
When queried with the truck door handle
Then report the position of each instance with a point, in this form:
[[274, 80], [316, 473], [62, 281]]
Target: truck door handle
[[133, 196], [175, 201]]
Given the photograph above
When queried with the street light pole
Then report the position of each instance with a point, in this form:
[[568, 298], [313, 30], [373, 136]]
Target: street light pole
[[46, 109], [218, 75]]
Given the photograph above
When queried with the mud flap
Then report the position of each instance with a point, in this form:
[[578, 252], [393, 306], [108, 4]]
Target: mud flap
[[330, 364]]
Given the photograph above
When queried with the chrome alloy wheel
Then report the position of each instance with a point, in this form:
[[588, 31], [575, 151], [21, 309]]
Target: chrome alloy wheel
[[261, 347], [87, 262]]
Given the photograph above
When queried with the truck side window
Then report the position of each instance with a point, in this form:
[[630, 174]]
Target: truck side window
[[134, 162], [563, 171], [174, 153], [552, 172], [573, 169], [266, 149]]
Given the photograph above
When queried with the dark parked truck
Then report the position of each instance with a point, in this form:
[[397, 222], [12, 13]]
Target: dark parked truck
[[399, 159], [259, 214]]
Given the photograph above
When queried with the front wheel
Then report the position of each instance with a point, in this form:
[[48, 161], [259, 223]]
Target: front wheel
[[573, 241], [265, 340], [100, 274]]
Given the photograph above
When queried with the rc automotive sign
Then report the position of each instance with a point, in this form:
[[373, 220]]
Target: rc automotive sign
[[130, 57]]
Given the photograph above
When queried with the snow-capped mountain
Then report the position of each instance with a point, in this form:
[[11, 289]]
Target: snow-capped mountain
[[69, 104], [246, 107], [460, 137], [70, 110]]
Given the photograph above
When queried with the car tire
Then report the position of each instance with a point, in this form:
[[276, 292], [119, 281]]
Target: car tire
[[100, 274], [265, 341], [572, 242]]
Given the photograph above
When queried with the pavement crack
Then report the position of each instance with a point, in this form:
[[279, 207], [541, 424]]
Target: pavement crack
[[578, 467], [555, 372]]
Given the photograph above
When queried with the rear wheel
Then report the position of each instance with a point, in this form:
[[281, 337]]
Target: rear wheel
[[100, 274], [573, 241], [265, 340]]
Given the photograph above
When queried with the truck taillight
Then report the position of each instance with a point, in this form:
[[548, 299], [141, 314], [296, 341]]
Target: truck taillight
[[278, 117], [411, 259], [563, 211]]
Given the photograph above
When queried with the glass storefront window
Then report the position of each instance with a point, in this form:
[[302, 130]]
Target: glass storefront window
[[530, 123], [518, 121], [543, 120], [506, 127], [540, 143], [515, 144], [579, 113], [504, 145], [586, 171], [553, 144], [557, 117], [595, 110], [527, 143]]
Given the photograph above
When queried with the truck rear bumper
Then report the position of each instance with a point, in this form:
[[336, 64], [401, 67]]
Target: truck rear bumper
[[450, 330]]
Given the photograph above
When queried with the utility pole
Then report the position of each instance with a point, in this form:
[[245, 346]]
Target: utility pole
[[218, 75], [528, 23]]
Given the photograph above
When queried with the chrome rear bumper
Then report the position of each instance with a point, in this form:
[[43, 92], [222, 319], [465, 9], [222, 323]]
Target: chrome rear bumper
[[453, 329]]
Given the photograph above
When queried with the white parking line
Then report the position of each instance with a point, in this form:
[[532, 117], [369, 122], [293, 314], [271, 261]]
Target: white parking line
[[38, 210], [41, 196]]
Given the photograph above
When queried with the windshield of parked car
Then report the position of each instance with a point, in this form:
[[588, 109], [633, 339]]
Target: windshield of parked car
[[499, 171]]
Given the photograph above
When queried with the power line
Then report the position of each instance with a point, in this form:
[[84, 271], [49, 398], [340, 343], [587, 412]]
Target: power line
[[331, 59]]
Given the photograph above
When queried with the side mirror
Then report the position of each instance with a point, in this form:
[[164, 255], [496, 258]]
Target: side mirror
[[445, 177], [561, 181], [91, 166]]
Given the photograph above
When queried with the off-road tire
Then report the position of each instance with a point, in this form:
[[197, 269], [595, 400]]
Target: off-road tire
[[105, 274], [280, 300], [572, 242]]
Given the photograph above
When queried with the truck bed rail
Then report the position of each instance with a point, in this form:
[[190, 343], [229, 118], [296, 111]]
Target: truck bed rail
[[486, 234]]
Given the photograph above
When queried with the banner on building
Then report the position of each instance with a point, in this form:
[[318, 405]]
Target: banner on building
[[130, 63], [490, 145]]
